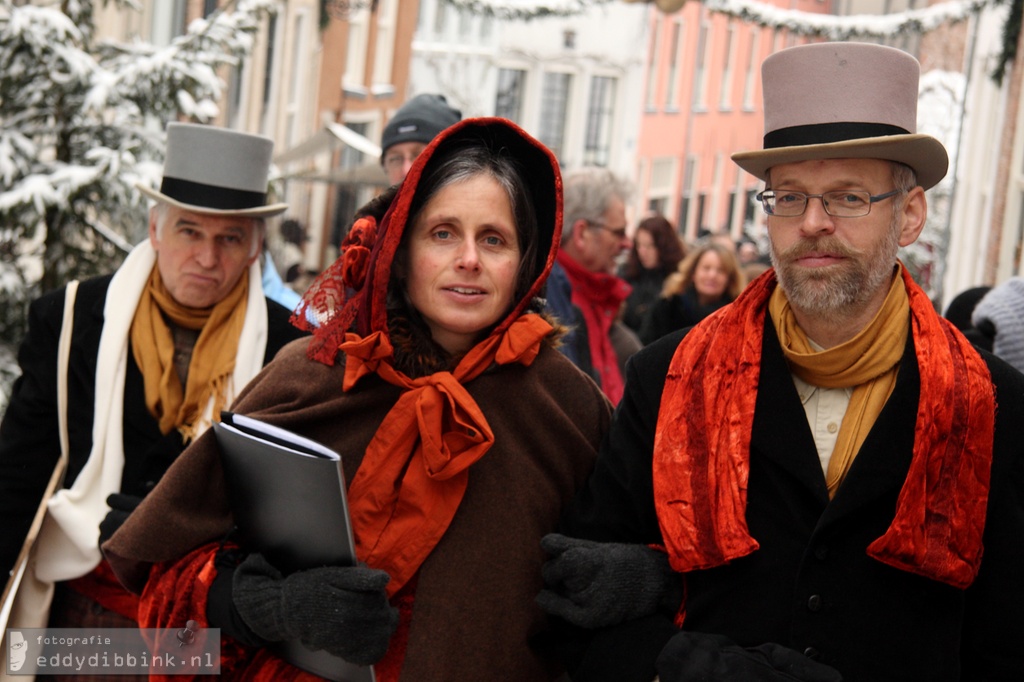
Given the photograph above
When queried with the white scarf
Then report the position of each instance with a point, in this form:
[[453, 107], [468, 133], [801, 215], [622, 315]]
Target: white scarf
[[68, 541]]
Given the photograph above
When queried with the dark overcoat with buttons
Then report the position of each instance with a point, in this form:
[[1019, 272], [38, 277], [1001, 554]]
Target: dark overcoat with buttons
[[29, 442], [811, 586]]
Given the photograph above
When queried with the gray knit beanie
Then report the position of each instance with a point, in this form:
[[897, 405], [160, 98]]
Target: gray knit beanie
[[1004, 308], [419, 120]]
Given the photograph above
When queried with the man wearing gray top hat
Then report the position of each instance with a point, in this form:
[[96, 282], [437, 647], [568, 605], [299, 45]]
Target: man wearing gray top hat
[[821, 466], [157, 349]]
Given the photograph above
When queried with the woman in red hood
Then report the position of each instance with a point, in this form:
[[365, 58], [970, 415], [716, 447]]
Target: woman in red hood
[[463, 433]]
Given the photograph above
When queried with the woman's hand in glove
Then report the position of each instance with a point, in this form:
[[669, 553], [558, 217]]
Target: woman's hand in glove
[[342, 610], [598, 584]]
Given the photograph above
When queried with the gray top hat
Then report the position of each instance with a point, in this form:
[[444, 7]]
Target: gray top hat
[[216, 171], [843, 100]]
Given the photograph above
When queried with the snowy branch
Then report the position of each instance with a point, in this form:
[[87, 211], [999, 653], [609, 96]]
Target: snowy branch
[[850, 26], [760, 13]]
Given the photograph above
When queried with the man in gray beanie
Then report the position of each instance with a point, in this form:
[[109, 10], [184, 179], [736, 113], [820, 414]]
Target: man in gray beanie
[[411, 129]]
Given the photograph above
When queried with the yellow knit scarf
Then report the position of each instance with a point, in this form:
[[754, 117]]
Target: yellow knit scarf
[[213, 357], [868, 363]]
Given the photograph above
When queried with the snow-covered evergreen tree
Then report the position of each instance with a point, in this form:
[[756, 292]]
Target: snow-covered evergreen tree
[[81, 121]]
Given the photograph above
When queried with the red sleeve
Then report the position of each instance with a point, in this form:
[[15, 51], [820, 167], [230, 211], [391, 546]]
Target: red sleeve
[[176, 593]]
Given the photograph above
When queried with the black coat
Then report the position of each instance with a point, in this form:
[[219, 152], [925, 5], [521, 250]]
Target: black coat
[[29, 442], [811, 586], [667, 315]]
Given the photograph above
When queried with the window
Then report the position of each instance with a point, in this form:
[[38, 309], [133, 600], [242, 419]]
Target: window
[[725, 95], [659, 187], [652, 66], [358, 39], [600, 114], [268, 70], [672, 87], [685, 204], [750, 79], [298, 78], [554, 109], [700, 76], [440, 17], [168, 22], [508, 102], [387, 11]]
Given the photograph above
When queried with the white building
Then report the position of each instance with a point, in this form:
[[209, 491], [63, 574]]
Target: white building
[[573, 82]]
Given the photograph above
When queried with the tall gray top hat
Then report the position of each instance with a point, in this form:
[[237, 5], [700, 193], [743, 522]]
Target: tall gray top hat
[[216, 171], [843, 101]]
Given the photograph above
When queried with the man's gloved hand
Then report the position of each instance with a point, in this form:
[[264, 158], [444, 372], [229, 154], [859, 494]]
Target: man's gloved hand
[[343, 610], [598, 584], [120, 507], [696, 657]]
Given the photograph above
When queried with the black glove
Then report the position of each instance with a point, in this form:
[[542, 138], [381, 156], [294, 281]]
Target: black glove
[[598, 584], [120, 507], [343, 610], [696, 657]]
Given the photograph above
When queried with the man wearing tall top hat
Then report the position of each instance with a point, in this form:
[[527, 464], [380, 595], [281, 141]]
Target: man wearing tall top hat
[[156, 350], [824, 480]]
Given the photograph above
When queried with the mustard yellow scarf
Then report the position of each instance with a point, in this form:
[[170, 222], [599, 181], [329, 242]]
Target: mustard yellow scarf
[[868, 363], [213, 358]]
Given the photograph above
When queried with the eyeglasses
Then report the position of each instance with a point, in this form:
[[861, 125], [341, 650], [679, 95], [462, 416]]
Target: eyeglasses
[[396, 161], [840, 204], [619, 233]]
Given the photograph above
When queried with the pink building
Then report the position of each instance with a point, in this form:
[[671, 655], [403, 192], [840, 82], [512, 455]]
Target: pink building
[[703, 103]]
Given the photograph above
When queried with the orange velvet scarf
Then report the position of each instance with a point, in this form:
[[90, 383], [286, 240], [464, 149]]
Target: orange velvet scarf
[[416, 468], [702, 445]]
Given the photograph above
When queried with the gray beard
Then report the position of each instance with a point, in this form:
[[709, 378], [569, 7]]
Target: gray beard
[[832, 292]]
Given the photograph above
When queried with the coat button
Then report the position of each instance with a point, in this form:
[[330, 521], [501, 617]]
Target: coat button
[[814, 602], [812, 653], [821, 552]]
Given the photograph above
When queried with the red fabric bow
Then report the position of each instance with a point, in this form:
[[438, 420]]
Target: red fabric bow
[[415, 471]]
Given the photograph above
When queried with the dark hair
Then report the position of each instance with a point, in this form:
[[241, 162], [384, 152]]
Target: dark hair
[[666, 241], [472, 157]]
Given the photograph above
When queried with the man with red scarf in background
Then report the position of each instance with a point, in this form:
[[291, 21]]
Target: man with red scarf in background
[[583, 291], [823, 480]]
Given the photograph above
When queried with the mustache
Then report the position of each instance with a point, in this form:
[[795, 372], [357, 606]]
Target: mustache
[[818, 245]]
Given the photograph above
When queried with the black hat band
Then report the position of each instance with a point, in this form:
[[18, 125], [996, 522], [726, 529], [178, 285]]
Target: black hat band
[[825, 133], [211, 196]]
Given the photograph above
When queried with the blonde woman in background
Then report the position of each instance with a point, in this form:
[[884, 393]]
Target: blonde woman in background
[[707, 279]]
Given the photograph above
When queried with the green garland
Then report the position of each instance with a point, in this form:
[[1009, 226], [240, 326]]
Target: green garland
[[1011, 35]]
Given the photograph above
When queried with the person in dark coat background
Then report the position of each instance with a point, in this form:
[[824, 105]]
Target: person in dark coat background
[[707, 279], [157, 349], [959, 312], [814, 483], [656, 253]]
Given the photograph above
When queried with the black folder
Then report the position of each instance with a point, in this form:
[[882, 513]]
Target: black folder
[[287, 494]]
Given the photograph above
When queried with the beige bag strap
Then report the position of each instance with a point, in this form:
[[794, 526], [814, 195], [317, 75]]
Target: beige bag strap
[[63, 354]]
